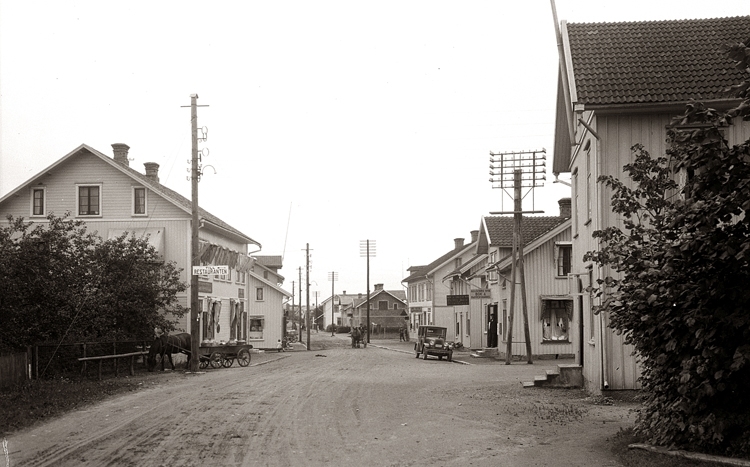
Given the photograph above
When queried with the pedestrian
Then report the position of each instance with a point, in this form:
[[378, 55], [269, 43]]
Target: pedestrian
[[279, 347], [401, 334]]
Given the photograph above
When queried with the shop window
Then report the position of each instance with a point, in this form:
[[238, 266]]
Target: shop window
[[256, 325], [556, 318]]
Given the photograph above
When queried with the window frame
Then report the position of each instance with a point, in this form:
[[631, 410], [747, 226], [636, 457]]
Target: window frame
[[134, 205], [260, 297], [34, 189], [547, 337], [258, 334], [79, 186], [559, 256]]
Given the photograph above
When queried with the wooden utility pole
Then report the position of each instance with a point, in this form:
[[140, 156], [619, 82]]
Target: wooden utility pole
[[307, 284], [517, 269], [299, 286], [194, 247]]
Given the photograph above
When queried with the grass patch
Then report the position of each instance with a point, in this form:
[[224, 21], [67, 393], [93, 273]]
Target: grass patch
[[36, 401], [641, 458]]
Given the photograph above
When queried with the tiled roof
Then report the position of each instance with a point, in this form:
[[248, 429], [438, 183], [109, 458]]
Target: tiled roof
[[175, 197], [500, 228], [654, 61], [420, 272]]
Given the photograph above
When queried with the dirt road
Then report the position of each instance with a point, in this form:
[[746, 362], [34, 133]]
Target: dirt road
[[338, 406]]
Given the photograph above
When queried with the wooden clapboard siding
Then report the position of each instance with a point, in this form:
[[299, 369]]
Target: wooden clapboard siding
[[541, 282], [271, 308]]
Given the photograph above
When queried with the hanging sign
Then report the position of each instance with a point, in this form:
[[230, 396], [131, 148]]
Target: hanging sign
[[481, 293], [456, 300], [210, 270]]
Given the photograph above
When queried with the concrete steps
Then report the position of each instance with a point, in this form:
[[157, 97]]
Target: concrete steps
[[568, 375]]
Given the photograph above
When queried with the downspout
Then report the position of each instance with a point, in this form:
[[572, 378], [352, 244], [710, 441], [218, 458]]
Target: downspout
[[599, 210]]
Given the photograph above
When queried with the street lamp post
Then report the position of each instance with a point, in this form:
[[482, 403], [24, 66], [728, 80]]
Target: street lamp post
[[333, 277]]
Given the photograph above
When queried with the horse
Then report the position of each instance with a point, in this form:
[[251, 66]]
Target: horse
[[167, 345]]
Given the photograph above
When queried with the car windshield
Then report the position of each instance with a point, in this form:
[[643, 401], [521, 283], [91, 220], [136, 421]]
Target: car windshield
[[435, 332]]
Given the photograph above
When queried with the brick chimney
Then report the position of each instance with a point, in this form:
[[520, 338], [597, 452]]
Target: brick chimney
[[459, 243], [121, 153], [152, 171], [474, 236], [378, 287], [565, 208]]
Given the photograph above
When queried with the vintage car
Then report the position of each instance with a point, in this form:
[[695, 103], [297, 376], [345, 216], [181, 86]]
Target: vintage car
[[431, 341]]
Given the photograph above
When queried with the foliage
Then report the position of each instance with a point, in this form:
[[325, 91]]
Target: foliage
[[62, 283], [680, 290]]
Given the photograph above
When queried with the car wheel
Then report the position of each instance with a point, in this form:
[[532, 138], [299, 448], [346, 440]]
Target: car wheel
[[440, 357]]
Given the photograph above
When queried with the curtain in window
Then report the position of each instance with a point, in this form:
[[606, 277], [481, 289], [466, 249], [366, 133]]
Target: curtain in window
[[556, 316]]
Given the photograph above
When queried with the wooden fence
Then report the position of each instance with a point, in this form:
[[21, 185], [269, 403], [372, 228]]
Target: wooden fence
[[14, 369]]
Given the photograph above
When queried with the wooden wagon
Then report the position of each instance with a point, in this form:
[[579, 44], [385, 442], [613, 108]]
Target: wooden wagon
[[223, 355]]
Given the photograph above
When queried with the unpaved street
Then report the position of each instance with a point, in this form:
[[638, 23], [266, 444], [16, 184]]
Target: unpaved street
[[338, 406]]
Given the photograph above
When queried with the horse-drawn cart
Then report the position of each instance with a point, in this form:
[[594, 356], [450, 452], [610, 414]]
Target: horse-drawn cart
[[218, 355]]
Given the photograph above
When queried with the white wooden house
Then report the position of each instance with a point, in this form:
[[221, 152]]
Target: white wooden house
[[621, 84], [112, 198]]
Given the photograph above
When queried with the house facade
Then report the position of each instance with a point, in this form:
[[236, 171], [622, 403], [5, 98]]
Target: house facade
[[621, 84], [388, 310], [546, 262], [428, 293], [112, 198]]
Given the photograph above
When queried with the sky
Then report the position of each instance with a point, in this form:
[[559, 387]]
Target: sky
[[329, 122]]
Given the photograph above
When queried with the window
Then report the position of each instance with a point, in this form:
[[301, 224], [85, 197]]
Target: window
[[38, 201], [265, 274], [211, 319], [255, 327], [492, 275], [236, 320], [89, 200], [504, 325], [240, 277], [395, 306], [556, 317], [468, 325], [259, 294], [562, 258], [224, 277], [382, 304], [139, 201]]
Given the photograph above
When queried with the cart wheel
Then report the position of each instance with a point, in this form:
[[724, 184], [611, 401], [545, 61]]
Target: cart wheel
[[203, 364], [216, 360], [243, 357], [227, 362]]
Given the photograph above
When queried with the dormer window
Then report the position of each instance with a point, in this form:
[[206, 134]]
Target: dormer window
[[139, 201], [38, 201], [89, 200]]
